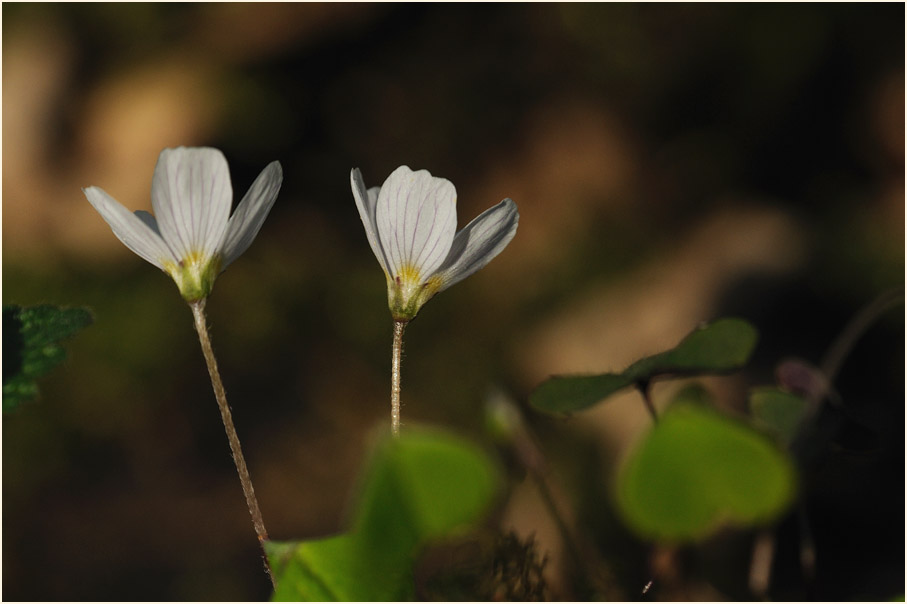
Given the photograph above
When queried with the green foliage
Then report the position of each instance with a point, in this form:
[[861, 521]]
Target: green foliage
[[697, 470], [721, 346], [31, 346], [778, 411], [718, 347], [561, 394], [419, 487]]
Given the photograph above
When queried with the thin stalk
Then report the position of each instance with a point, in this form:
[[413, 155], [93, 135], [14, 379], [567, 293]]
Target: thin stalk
[[563, 529], [832, 361], [397, 353], [807, 544], [198, 312], [855, 329], [761, 563], [530, 456], [643, 387]]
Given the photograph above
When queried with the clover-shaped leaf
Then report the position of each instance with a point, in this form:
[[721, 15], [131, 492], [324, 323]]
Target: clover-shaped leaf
[[31, 346], [778, 411], [697, 470], [421, 486], [719, 347]]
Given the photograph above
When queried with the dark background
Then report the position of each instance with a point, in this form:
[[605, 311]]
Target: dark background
[[671, 163]]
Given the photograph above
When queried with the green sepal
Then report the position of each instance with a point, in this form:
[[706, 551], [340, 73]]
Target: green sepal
[[195, 277], [406, 302]]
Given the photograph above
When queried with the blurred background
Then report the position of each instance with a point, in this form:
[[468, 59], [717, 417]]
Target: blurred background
[[671, 163]]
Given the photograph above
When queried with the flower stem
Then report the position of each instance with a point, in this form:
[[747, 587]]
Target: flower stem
[[198, 312], [397, 352]]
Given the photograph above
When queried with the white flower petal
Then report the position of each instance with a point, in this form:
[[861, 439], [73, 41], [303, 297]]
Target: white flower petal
[[479, 242], [191, 196], [135, 231], [251, 212], [366, 200], [416, 217], [149, 220]]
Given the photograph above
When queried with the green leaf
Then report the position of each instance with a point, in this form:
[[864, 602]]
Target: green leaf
[[694, 393], [719, 347], [343, 568], [31, 346], [697, 470], [778, 411], [561, 394], [422, 486]]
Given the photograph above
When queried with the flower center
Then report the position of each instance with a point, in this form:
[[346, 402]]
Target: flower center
[[195, 274], [408, 291]]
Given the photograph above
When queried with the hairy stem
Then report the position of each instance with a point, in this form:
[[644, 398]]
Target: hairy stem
[[397, 353], [198, 312]]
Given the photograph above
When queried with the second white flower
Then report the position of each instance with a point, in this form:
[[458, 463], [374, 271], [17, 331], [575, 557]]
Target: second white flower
[[411, 224]]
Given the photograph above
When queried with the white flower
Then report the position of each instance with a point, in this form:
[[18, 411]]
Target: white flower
[[192, 236], [411, 222]]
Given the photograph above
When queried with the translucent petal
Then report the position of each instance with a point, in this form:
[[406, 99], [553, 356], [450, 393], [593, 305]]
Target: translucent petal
[[366, 201], [251, 212], [479, 242], [191, 196], [416, 218], [136, 232]]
